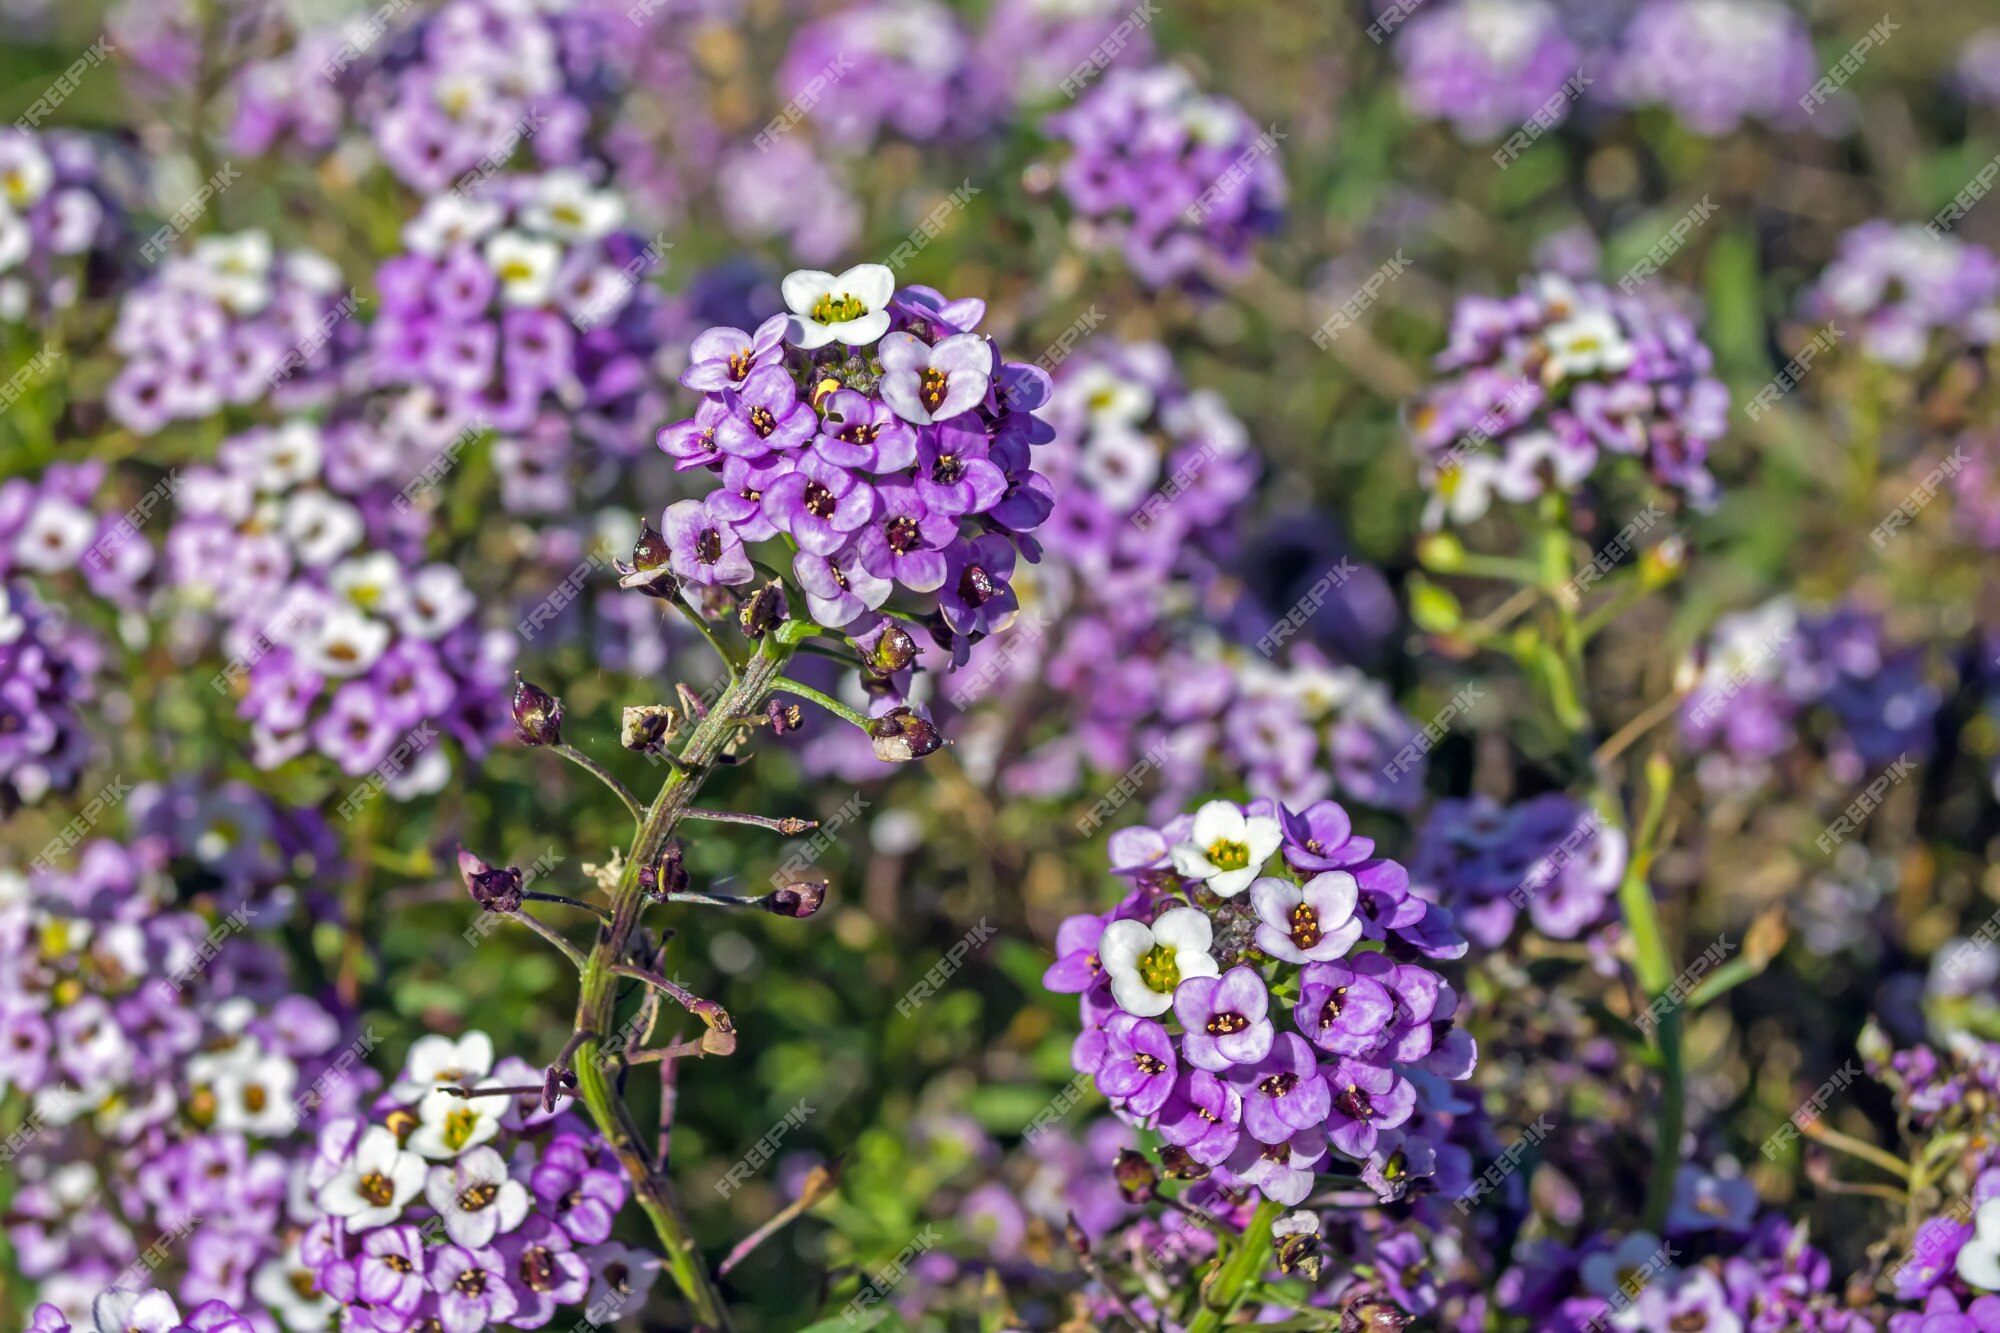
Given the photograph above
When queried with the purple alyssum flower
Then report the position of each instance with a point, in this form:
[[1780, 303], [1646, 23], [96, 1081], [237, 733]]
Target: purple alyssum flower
[[1224, 1019]]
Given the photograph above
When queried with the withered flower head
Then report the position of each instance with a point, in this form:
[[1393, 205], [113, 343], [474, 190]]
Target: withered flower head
[[494, 890], [901, 735]]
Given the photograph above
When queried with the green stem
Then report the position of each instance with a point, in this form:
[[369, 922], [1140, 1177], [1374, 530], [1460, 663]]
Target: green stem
[[830, 704], [602, 774], [597, 999], [1653, 961], [1240, 1272]]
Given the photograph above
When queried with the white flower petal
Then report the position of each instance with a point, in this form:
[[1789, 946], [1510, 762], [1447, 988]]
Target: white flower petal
[[1135, 996], [1232, 882], [806, 333], [1264, 836], [1217, 821], [1183, 929], [1122, 943], [802, 287], [874, 284], [1979, 1265], [859, 332]]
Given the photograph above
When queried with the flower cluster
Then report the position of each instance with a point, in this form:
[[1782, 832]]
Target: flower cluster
[[56, 215], [478, 81], [1547, 856], [46, 671], [50, 528], [1484, 65], [1717, 63], [1901, 285], [1043, 49], [1178, 180], [524, 305], [1760, 1273], [462, 1213], [870, 427], [1543, 385], [227, 325], [166, 1071], [1766, 669], [904, 66], [1184, 981], [340, 638]]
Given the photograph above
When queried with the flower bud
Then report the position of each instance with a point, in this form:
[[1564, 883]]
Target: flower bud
[[537, 714], [645, 727], [784, 717], [1370, 1313], [1175, 1164], [764, 610], [494, 890], [796, 900], [649, 572], [1135, 1176], [901, 735], [1295, 1244], [885, 649], [670, 875]]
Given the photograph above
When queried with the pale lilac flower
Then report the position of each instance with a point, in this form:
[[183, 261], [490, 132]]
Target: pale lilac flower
[[1309, 923], [924, 384]]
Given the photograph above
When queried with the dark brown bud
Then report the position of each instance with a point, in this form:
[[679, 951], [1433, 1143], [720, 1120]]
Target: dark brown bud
[[649, 572], [764, 610], [796, 900], [669, 876], [494, 890], [1369, 1313], [901, 735], [645, 727], [891, 652], [537, 714], [784, 717], [1177, 1165], [1298, 1253], [1135, 1176]]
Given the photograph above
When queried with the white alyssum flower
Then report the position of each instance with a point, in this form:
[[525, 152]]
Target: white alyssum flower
[[288, 457], [434, 601], [525, 265], [345, 643], [289, 1288], [55, 536], [1979, 1260], [1584, 344], [852, 308], [321, 528], [373, 1187], [1147, 964], [15, 243], [122, 1310], [374, 582], [565, 204], [1109, 399], [435, 1061], [234, 270], [476, 1197], [25, 171], [1227, 848], [449, 221], [449, 1125]]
